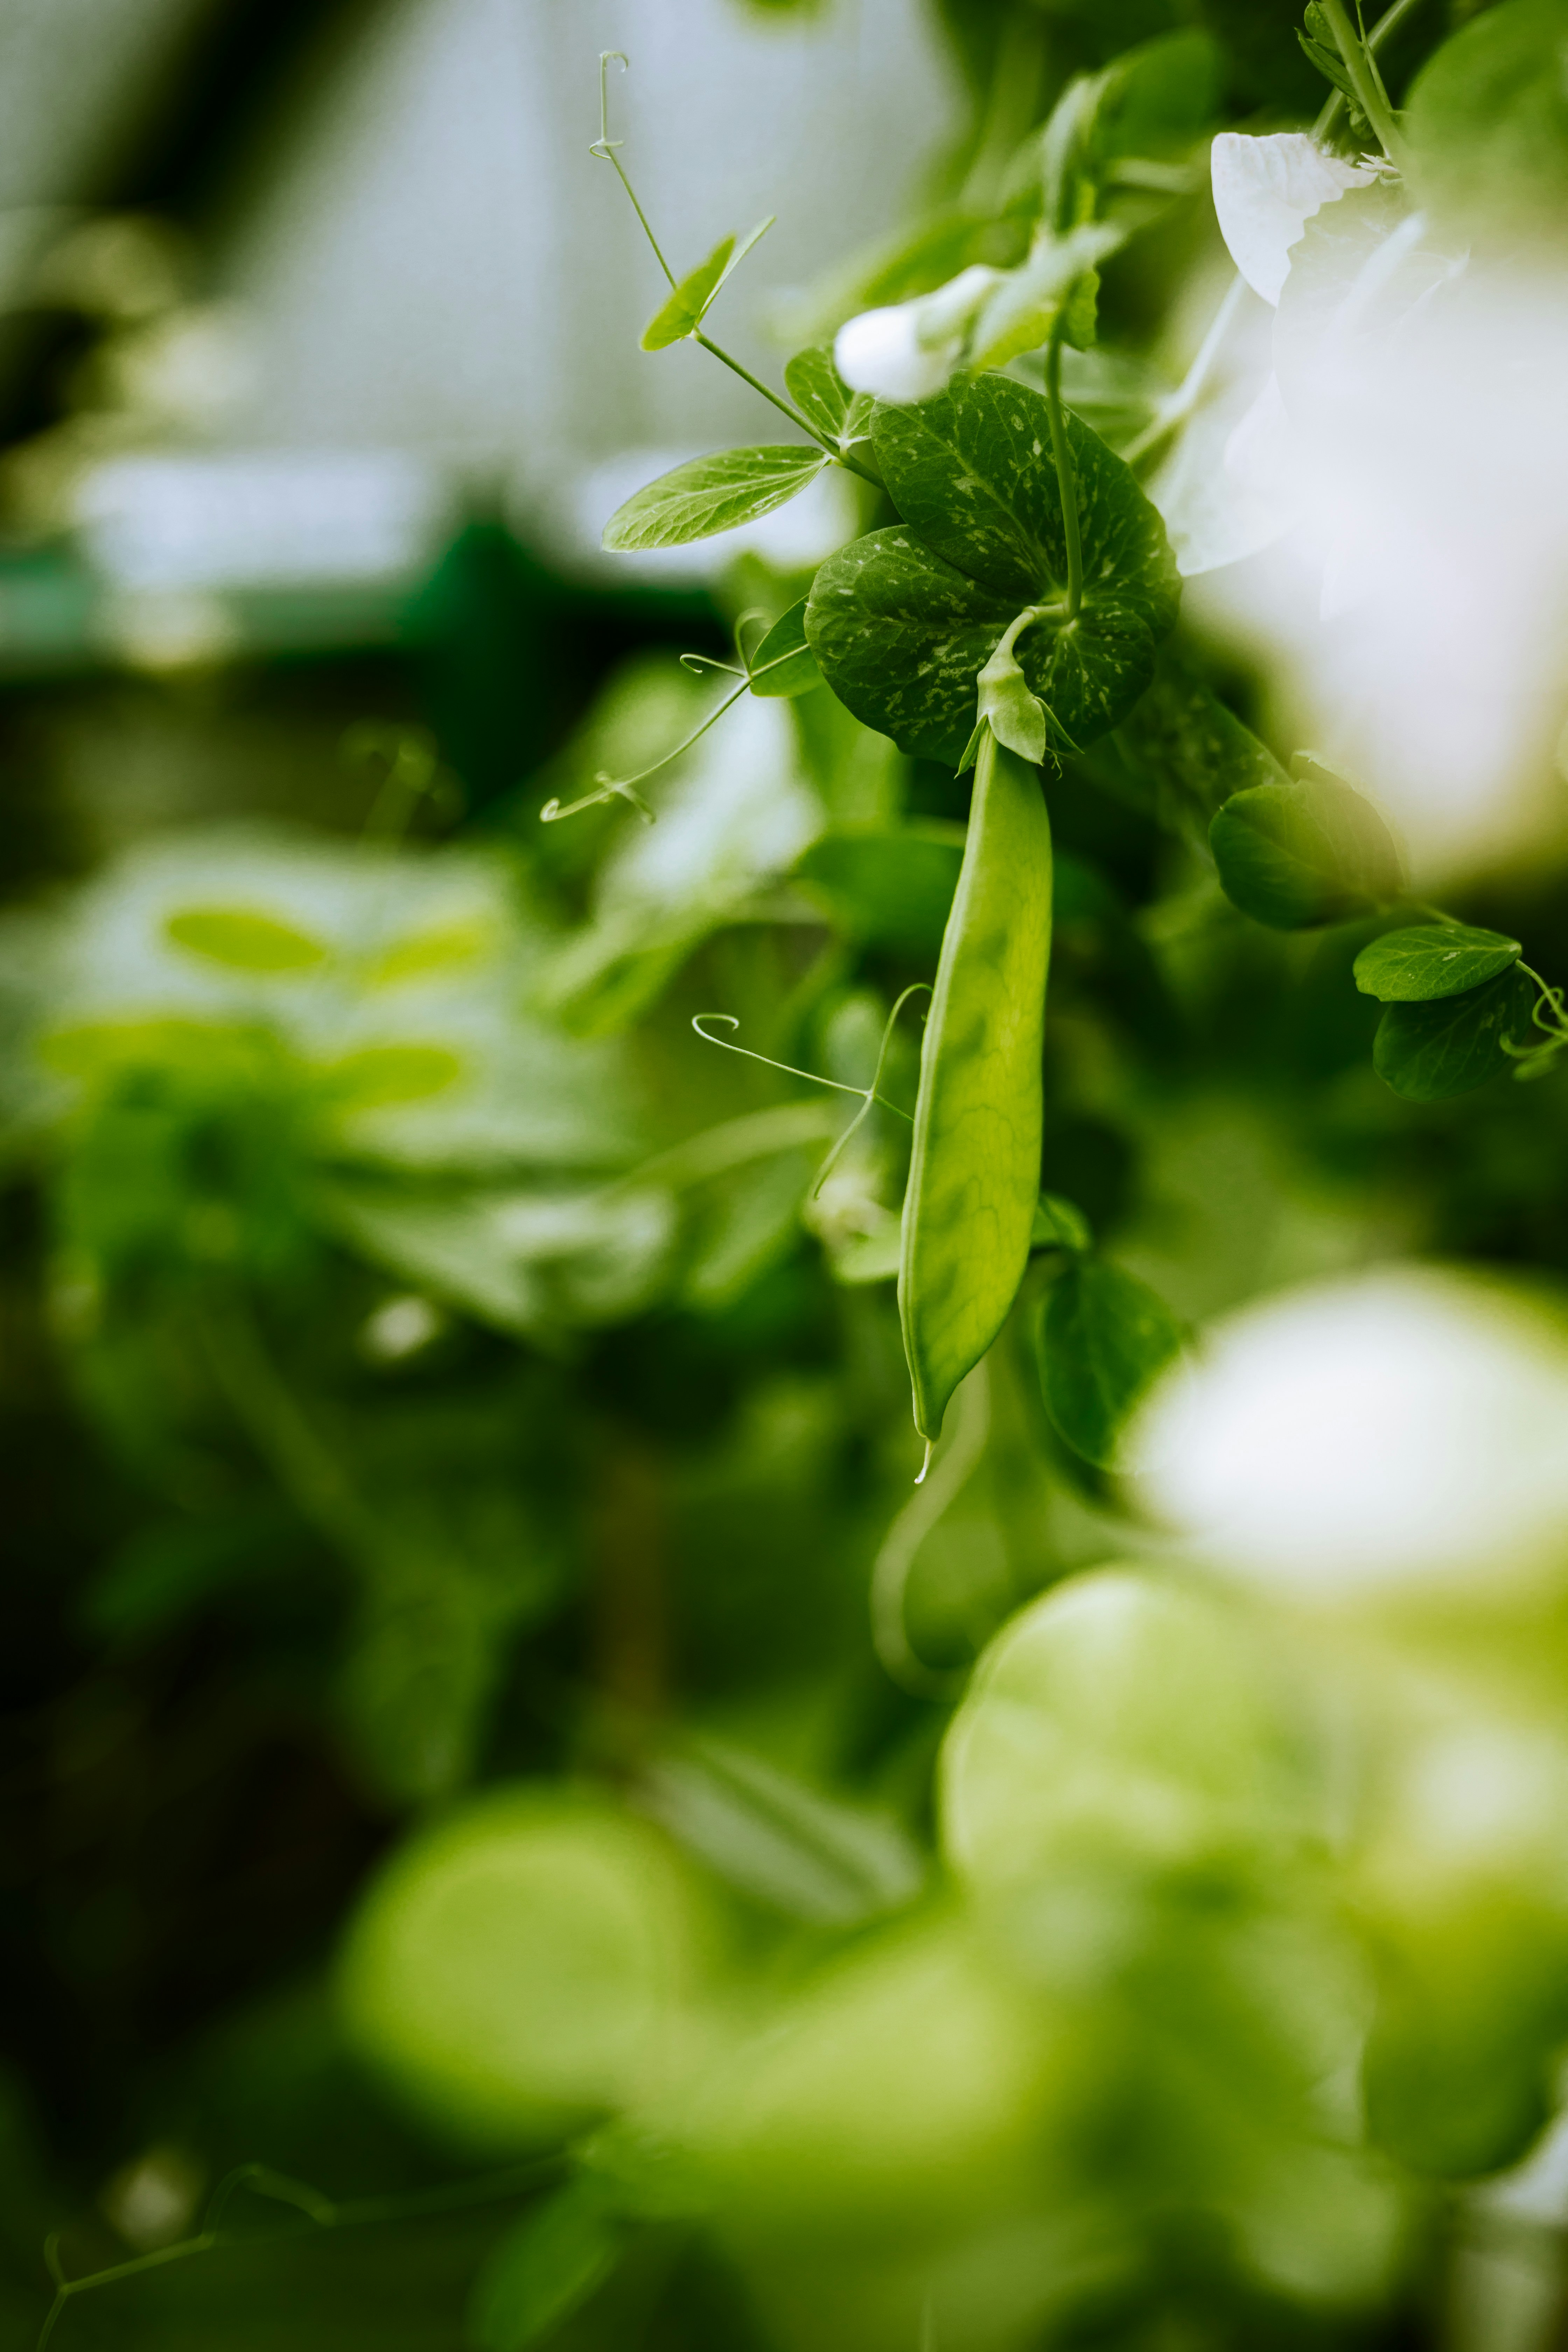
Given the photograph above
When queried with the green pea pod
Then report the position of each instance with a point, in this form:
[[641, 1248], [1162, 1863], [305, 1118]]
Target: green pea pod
[[975, 1177]]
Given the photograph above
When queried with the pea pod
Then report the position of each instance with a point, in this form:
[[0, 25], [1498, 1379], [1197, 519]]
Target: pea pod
[[975, 1176]]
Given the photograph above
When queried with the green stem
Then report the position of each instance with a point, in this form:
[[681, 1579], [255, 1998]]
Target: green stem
[[605, 148], [784, 407], [1066, 485], [1365, 80]]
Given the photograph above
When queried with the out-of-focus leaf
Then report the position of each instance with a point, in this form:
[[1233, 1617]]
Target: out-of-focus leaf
[[1104, 1338], [1430, 961], [1487, 120], [544, 2269], [711, 494], [245, 941], [809, 1856], [1058, 1224], [890, 890], [1429, 1051], [1314, 852], [378, 1076]]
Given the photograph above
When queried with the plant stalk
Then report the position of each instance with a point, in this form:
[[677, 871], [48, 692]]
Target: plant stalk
[[1066, 484]]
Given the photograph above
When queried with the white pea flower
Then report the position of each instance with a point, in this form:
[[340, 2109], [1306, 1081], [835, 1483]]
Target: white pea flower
[[1397, 1430], [1266, 191], [906, 350]]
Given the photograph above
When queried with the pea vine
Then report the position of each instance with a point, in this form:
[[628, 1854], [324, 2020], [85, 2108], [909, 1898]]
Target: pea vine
[[1015, 608]]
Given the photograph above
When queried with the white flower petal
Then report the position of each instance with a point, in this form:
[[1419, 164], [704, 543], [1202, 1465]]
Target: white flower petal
[[882, 352], [1403, 1428], [1266, 190]]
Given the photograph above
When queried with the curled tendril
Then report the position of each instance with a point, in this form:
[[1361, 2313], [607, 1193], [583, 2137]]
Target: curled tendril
[[1550, 1015], [609, 788], [604, 147], [866, 1094]]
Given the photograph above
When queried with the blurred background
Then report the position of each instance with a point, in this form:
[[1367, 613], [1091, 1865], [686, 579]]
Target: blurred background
[[444, 1433]]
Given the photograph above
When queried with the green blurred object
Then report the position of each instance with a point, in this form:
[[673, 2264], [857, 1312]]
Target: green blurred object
[[526, 1965]]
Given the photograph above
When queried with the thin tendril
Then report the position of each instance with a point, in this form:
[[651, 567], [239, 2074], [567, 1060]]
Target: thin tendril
[[872, 1094], [625, 787], [813, 1077], [609, 788], [606, 148]]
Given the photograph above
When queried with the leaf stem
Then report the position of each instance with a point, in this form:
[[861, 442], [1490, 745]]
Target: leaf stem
[[784, 407], [1066, 485]]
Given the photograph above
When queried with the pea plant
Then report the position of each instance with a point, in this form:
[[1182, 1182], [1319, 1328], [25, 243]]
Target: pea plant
[[1017, 609], [1114, 1893]]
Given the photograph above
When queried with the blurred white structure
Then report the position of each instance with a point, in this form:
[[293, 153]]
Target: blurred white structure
[[432, 261], [1406, 1429]]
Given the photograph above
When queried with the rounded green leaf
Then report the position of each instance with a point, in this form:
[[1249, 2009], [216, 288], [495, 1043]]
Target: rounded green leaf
[[1431, 960], [1429, 1051], [243, 940], [903, 638], [903, 621], [784, 663], [711, 494], [974, 1170], [1294, 855], [1104, 1338]]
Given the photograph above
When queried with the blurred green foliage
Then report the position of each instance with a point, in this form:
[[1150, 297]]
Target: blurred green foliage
[[493, 1735]]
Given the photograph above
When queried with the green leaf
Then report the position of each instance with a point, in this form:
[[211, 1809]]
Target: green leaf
[[543, 2270], [688, 303], [1059, 1225], [974, 1168], [1486, 122], [1020, 313], [378, 1075], [784, 663], [711, 494], [889, 890], [1194, 749], [1311, 852], [243, 940], [1449, 1044], [823, 397], [904, 620], [1431, 960], [1104, 1338], [902, 638]]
